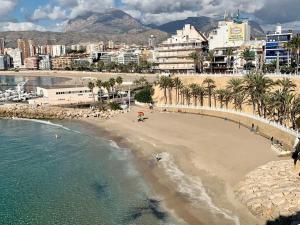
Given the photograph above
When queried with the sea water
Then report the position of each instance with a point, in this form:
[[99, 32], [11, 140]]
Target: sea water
[[60, 174]]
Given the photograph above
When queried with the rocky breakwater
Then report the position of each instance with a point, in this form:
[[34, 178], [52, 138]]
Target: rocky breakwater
[[272, 190], [50, 112]]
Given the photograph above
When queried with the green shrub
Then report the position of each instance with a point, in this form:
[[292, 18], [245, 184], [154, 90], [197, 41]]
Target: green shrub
[[114, 106], [145, 95]]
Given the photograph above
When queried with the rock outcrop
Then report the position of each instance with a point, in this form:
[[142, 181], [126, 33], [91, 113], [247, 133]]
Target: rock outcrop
[[50, 112], [272, 190]]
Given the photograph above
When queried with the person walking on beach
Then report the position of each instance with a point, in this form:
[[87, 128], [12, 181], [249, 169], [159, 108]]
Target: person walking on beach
[[296, 154]]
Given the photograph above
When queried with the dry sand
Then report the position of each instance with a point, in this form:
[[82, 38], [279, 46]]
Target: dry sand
[[204, 158]]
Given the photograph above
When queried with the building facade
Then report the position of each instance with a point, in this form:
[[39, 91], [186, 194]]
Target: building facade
[[174, 54], [32, 63], [63, 62], [63, 96], [2, 46], [16, 55], [229, 34], [275, 47], [58, 50], [95, 47], [5, 62], [128, 57], [45, 62], [23, 45]]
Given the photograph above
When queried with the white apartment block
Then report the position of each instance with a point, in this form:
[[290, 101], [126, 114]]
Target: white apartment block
[[58, 50], [174, 54], [128, 57], [94, 47], [229, 34], [16, 55]]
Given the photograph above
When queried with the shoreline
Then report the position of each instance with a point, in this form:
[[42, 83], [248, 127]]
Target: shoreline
[[198, 194], [204, 191]]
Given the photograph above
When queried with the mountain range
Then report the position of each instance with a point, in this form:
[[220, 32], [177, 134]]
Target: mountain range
[[116, 25]]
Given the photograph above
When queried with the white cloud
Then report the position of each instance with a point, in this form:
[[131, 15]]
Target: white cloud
[[6, 6], [84, 6], [22, 26], [49, 12], [203, 7], [148, 11]]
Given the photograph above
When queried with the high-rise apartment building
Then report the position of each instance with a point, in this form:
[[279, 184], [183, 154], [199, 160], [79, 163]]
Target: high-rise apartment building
[[58, 50], [2, 45], [24, 46]]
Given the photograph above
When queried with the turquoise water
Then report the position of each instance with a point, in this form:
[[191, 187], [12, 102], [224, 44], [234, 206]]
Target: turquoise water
[[77, 179]]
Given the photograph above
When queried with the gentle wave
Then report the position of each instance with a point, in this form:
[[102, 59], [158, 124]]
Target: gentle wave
[[46, 123], [193, 187]]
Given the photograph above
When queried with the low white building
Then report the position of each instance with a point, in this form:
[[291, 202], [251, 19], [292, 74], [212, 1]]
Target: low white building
[[63, 96]]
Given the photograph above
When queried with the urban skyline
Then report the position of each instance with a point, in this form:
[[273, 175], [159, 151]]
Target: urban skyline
[[53, 14]]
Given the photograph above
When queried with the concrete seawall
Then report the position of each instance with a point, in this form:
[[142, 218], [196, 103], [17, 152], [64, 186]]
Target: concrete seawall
[[264, 129]]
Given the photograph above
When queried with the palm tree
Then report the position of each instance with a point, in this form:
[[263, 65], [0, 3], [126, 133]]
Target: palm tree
[[195, 57], [194, 92], [180, 94], [186, 95], [295, 111], [248, 56], [227, 97], [99, 84], [198, 60], [210, 57], [100, 66], [119, 80], [107, 86], [210, 86], [177, 84], [295, 46], [112, 83], [221, 94], [235, 86], [91, 86], [286, 84], [164, 84], [201, 93], [170, 89], [229, 53], [257, 85]]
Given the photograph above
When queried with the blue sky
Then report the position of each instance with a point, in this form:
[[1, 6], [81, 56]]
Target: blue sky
[[54, 14]]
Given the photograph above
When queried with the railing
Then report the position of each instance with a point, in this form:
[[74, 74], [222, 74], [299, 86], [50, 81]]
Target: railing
[[255, 117], [235, 74]]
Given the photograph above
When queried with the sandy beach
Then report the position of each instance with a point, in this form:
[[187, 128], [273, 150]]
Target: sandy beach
[[203, 160]]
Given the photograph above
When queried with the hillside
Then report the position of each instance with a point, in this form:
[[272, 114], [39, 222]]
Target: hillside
[[113, 21], [69, 38]]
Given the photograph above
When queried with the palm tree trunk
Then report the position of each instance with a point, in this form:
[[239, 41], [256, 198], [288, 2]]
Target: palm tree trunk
[[165, 95], [209, 98]]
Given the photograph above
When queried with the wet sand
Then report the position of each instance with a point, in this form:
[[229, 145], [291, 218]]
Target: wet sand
[[203, 159]]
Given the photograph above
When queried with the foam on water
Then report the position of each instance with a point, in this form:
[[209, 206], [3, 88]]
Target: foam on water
[[194, 188], [46, 123]]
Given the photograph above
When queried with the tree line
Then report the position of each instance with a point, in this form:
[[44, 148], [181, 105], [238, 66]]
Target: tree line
[[100, 66], [273, 100]]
